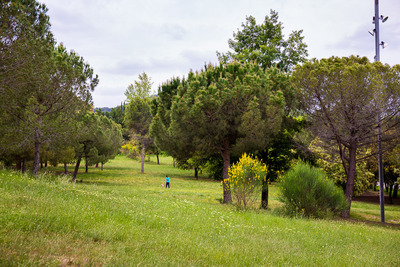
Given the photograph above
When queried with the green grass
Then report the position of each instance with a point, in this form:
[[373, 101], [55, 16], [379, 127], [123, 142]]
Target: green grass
[[120, 217]]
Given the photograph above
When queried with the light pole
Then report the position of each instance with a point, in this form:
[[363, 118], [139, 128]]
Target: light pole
[[377, 58]]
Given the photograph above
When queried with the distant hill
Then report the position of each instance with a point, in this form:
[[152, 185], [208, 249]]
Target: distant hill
[[104, 109]]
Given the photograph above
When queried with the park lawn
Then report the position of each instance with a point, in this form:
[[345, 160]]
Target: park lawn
[[120, 217]]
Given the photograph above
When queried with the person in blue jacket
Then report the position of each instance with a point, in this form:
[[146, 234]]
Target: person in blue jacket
[[167, 182]]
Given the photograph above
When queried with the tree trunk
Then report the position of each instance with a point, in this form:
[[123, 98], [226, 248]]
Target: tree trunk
[[24, 165], [196, 173], [226, 157], [395, 190], [102, 166], [351, 174], [65, 168], [173, 163], [264, 195], [390, 194], [18, 165], [86, 165], [45, 164], [158, 159], [97, 165], [143, 155], [78, 162], [36, 159]]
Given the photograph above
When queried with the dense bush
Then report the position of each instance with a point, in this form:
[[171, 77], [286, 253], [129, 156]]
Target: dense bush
[[245, 180], [306, 191], [130, 150]]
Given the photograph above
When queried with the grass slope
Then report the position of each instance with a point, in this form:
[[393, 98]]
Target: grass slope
[[120, 217]]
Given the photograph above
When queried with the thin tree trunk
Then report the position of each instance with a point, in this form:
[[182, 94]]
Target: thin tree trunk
[[158, 159], [102, 166], [143, 155], [350, 179], [86, 165], [97, 165], [24, 165], [395, 190], [196, 173], [36, 159], [78, 162], [225, 153], [264, 195], [18, 165], [65, 168], [390, 194]]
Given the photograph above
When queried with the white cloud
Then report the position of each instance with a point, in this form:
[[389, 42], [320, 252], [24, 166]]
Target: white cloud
[[164, 38]]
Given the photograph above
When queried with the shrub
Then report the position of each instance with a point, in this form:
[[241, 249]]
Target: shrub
[[306, 191], [245, 180], [130, 150]]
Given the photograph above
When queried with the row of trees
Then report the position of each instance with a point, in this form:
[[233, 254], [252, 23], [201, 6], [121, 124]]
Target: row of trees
[[45, 90], [260, 100]]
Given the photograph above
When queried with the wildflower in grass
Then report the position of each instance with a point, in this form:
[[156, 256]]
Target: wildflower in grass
[[245, 179]]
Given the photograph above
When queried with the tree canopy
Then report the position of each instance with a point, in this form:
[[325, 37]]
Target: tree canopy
[[229, 109], [266, 44], [138, 114], [343, 97], [43, 87]]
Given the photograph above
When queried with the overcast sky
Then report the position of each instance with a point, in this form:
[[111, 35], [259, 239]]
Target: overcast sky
[[165, 38]]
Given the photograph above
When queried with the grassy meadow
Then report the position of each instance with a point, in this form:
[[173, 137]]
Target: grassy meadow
[[120, 217]]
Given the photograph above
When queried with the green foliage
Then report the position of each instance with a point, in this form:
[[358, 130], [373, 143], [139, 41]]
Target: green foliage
[[307, 191], [343, 98], [140, 88], [265, 44], [98, 140], [130, 150], [138, 116], [228, 109], [333, 167], [246, 178], [43, 86]]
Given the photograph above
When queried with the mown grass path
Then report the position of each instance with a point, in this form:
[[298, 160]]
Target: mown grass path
[[120, 217]]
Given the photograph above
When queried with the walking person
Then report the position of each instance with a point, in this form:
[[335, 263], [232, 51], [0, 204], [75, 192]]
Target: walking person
[[167, 182]]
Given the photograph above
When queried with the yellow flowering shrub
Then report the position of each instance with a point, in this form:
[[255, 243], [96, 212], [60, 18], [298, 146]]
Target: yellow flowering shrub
[[130, 150], [245, 180]]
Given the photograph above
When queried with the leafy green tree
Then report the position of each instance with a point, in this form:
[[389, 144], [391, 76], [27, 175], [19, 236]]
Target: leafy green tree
[[43, 87], [98, 140], [331, 164], [229, 109], [109, 140], [266, 44], [140, 88], [138, 114], [178, 147], [343, 98], [24, 47]]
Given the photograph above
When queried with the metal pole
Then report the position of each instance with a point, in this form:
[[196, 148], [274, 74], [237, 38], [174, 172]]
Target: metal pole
[[380, 163]]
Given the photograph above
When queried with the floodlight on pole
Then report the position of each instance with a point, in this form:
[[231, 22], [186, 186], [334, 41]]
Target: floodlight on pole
[[384, 19], [372, 32]]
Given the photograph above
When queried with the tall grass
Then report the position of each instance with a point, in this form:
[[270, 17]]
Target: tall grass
[[120, 217]]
